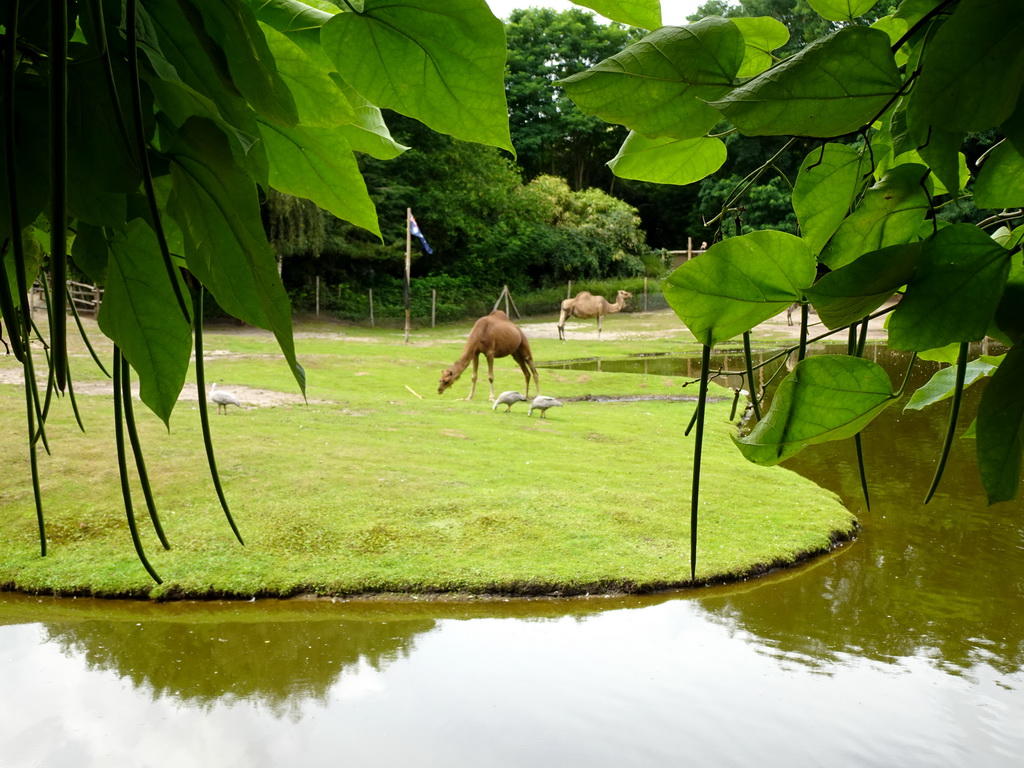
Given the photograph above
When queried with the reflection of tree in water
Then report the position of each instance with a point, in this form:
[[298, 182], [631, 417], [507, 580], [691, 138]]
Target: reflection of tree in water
[[943, 582], [279, 664]]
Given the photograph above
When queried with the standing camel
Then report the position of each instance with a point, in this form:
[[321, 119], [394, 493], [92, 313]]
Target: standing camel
[[586, 305], [493, 335]]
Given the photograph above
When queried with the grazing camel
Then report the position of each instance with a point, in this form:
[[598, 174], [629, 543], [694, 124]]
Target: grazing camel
[[493, 335], [586, 305]]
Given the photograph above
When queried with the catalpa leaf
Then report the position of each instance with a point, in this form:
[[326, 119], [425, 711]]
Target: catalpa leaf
[[668, 161], [1000, 429], [954, 292], [841, 10], [967, 86], [215, 203], [851, 293], [140, 314], [440, 63], [1001, 181], [638, 13], [832, 87], [825, 398], [826, 187], [251, 64], [761, 36], [891, 212], [739, 283], [318, 164], [658, 86], [942, 384]]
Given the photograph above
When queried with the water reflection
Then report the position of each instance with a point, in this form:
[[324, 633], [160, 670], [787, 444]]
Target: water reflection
[[942, 582], [911, 634]]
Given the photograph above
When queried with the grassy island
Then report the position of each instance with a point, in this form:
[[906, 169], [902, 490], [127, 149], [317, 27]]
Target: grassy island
[[379, 485]]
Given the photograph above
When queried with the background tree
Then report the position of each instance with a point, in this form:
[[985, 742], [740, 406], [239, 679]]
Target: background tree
[[551, 136]]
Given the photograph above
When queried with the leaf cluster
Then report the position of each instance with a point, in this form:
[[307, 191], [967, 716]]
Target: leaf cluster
[[892, 105]]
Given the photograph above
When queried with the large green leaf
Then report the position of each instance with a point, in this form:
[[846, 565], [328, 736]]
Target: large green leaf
[[832, 87], [1000, 429], [325, 101], [318, 164], [189, 79], [825, 398], [942, 385], [954, 292], [971, 71], [1001, 181], [668, 161], [1010, 312], [659, 85], [830, 178], [739, 283], [250, 62], [638, 13], [442, 64], [215, 204], [891, 212], [140, 314], [761, 36], [841, 10], [942, 154], [851, 293], [318, 100]]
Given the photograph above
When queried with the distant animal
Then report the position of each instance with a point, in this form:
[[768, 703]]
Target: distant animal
[[585, 305], [492, 336], [223, 399], [508, 399], [542, 403]]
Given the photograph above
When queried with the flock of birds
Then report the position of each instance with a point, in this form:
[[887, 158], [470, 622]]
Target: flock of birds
[[540, 403]]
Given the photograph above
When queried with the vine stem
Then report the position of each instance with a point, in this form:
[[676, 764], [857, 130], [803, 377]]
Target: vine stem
[[697, 450]]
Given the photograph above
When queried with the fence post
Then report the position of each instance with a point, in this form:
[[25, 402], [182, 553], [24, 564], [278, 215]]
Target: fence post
[[645, 293], [433, 306], [318, 295], [568, 291], [689, 248], [371, 307]]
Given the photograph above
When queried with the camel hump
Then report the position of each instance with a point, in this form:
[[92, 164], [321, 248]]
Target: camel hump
[[499, 314]]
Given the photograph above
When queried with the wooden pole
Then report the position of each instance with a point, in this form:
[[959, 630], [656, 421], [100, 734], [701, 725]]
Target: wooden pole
[[371, 308], [645, 293], [689, 248], [318, 295], [433, 306], [505, 292], [568, 291], [408, 268]]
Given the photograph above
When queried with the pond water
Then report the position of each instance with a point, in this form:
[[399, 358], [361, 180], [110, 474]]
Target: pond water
[[905, 647]]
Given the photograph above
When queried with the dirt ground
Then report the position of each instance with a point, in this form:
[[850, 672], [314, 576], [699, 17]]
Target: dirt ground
[[657, 324]]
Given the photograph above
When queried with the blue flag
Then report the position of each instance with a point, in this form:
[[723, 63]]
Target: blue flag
[[414, 229]]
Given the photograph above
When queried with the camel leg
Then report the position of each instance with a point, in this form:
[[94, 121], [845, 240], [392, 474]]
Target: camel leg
[[472, 387], [490, 374], [561, 324]]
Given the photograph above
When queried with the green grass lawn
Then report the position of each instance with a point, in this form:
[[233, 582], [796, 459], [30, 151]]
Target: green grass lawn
[[380, 485]]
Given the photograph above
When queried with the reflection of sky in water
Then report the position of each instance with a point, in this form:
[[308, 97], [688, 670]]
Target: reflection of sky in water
[[647, 686]]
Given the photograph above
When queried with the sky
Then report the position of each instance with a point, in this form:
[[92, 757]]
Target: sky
[[673, 12]]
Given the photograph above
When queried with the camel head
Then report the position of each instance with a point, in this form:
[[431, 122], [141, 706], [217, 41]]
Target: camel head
[[448, 377], [624, 295]]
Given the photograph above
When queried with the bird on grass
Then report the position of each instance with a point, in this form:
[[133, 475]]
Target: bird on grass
[[223, 399], [508, 399], [542, 403]]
